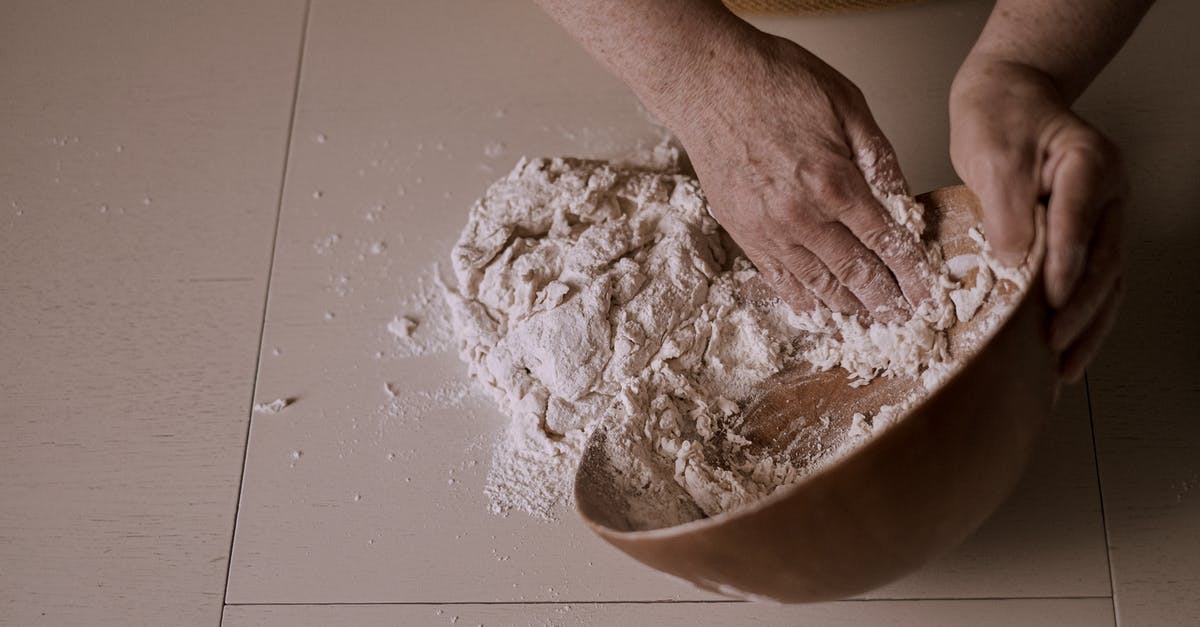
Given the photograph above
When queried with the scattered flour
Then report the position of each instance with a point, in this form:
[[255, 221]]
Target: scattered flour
[[273, 407], [402, 326], [323, 245], [406, 402], [493, 149], [425, 327], [593, 294]]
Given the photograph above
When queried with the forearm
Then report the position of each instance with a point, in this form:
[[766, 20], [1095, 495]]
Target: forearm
[[665, 50], [1067, 41]]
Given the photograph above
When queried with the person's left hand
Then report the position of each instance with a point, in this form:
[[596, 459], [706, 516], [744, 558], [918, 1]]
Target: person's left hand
[[1014, 140]]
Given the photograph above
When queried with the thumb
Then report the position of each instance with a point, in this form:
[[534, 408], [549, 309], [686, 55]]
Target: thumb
[[1007, 184]]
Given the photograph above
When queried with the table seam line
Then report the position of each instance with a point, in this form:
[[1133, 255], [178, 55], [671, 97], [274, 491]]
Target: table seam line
[[1112, 583], [266, 298]]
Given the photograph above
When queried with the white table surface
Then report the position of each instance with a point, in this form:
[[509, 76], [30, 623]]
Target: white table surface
[[133, 336]]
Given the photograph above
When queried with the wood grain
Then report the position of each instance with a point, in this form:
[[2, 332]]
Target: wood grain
[[140, 157]]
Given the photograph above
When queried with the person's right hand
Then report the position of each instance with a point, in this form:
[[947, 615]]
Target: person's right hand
[[780, 145]]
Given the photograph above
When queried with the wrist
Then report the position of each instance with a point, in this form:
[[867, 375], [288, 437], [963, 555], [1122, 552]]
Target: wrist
[[714, 70], [988, 72], [982, 76], [754, 73]]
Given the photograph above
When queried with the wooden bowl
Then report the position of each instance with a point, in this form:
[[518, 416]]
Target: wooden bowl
[[906, 495]]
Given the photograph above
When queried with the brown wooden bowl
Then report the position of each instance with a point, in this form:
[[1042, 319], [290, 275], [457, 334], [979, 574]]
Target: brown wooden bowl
[[906, 495]]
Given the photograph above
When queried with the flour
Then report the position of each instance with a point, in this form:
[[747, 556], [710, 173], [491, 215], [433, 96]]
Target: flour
[[424, 327], [402, 327], [273, 407], [592, 295]]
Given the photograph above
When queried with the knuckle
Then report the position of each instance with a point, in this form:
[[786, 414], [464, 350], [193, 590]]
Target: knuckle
[[780, 219], [1094, 151], [853, 272], [1090, 156], [824, 183], [815, 276], [882, 240]]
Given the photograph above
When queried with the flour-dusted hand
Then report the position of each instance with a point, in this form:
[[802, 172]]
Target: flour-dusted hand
[[777, 137], [780, 143], [1016, 142]]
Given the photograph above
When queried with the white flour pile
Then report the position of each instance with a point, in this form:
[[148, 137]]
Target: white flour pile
[[591, 294]]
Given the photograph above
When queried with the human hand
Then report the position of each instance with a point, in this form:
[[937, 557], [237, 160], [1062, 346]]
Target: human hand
[[1014, 140], [780, 141]]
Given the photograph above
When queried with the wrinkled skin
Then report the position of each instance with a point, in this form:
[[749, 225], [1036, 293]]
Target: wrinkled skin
[[1014, 141], [782, 143], [789, 189], [776, 154]]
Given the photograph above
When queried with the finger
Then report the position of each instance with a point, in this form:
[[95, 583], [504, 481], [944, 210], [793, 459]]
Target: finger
[[895, 247], [1005, 178], [873, 153], [1100, 274], [812, 273], [1073, 362], [881, 233], [858, 268], [799, 298], [1083, 181], [875, 158]]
